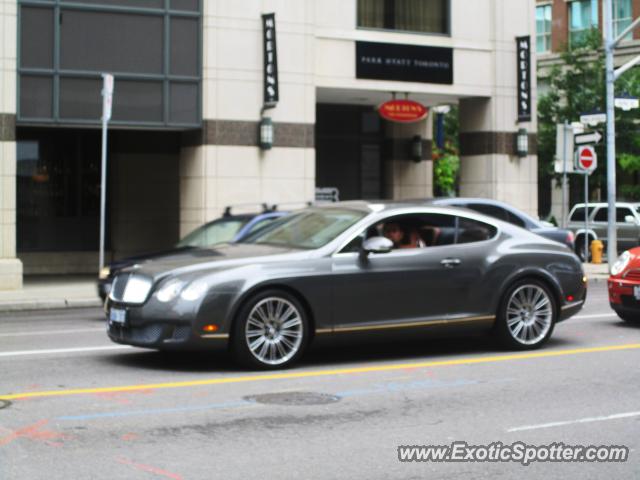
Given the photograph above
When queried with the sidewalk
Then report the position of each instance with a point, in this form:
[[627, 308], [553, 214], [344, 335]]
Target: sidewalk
[[596, 272], [51, 292], [55, 292]]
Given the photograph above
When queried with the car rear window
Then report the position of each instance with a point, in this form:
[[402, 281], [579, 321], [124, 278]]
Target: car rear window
[[220, 231]]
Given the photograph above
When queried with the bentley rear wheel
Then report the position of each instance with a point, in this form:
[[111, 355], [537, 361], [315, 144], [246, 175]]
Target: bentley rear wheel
[[527, 315]]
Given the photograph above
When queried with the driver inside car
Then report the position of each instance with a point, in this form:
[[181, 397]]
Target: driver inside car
[[402, 237]]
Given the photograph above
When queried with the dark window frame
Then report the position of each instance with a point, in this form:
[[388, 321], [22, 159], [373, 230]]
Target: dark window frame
[[389, 21], [166, 78]]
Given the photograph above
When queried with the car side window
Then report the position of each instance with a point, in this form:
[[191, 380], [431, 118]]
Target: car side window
[[515, 220], [470, 231], [578, 214], [409, 231], [622, 212], [602, 215]]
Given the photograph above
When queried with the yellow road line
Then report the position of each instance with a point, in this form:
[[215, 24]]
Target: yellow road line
[[321, 373]]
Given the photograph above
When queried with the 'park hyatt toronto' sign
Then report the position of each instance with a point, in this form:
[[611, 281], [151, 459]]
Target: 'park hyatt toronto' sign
[[405, 63]]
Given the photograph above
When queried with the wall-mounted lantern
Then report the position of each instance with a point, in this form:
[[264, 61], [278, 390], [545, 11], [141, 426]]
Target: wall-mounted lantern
[[416, 148], [522, 143], [266, 133]]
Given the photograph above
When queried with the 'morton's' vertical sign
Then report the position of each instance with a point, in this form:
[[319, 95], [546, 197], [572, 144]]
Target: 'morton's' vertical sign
[[524, 78], [270, 60]]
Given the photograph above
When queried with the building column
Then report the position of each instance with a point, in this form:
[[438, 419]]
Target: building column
[[226, 168], [10, 266], [489, 165], [223, 165], [405, 176]]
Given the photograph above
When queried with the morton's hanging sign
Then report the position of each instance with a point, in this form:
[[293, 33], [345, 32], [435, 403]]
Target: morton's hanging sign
[[270, 60], [524, 78], [404, 111]]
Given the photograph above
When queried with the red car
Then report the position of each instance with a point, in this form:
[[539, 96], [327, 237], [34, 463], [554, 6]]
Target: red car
[[624, 286]]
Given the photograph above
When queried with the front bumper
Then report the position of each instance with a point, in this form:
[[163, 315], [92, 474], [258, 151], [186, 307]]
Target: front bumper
[[621, 297], [160, 333]]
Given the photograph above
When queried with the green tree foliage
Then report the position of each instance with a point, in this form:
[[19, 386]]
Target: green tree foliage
[[577, 85], [446, 162]]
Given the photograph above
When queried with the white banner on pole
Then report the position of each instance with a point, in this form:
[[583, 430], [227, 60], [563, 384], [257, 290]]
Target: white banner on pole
[[107, 96]]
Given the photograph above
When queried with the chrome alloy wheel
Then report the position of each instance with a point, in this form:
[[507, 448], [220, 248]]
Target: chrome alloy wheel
[[529, 314], [274, 331]]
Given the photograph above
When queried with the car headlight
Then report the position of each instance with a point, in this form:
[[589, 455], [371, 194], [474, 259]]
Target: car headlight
[[169, 290], [104, 273], [621, 263], [195, 290]]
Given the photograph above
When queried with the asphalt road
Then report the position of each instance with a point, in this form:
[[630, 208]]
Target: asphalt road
[[83, 408]]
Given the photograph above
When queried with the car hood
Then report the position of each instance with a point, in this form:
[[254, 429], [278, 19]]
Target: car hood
[[137, 259], [223, 256]]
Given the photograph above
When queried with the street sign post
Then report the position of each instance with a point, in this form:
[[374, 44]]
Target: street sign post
[[107, 102], [586, 138], [586, 162], [626, 102], [593, 118], [586, 159]]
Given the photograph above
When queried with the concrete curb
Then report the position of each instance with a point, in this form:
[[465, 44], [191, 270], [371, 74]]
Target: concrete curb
[[52, 304]]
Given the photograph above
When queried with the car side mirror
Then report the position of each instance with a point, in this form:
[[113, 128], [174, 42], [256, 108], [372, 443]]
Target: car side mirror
[[377, 245], [630, 219]]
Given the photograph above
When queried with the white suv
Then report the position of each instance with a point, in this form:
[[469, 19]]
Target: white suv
[[627, 224]]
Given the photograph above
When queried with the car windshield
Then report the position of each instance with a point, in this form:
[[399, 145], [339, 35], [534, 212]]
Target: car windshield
[[219, 231], [309, 229]]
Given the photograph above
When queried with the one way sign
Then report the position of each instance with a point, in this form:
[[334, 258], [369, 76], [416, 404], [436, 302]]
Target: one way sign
[[586, 138]]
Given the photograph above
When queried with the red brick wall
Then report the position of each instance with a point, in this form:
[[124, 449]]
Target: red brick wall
[[635, 9], [560, 25]]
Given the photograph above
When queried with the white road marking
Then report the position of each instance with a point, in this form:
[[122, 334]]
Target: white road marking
[[573, 422], [595, 315], [63, 350], [53, 332]]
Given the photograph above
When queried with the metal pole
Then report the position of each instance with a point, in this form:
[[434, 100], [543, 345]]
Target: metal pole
[[565, 144], [612, 242], [103, 191], [586, 218]]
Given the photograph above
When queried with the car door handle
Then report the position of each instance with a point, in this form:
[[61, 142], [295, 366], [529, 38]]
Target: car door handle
[[450, 262]]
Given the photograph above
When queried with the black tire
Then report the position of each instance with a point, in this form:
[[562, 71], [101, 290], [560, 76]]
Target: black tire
[[540, 324], [292, 340], [633, 319], [579, 245]]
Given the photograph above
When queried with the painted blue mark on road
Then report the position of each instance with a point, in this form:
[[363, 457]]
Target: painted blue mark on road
[[401, 387], [378, 388], [157, 411]]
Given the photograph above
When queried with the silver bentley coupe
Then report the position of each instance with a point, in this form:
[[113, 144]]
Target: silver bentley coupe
[[349, 268]]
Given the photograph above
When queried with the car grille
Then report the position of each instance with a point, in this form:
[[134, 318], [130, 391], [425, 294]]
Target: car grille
[[131, 288], [632, 275], [148, 334], [181, 334], [628, 301]]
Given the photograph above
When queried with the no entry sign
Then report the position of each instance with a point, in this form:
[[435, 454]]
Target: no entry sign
[[586, 159]]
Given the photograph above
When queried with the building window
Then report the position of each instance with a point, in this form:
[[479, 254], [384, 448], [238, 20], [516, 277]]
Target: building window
[[583, 16], [58, 190], [427, 16], [153, 47], [543, 28], [622, 18]]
